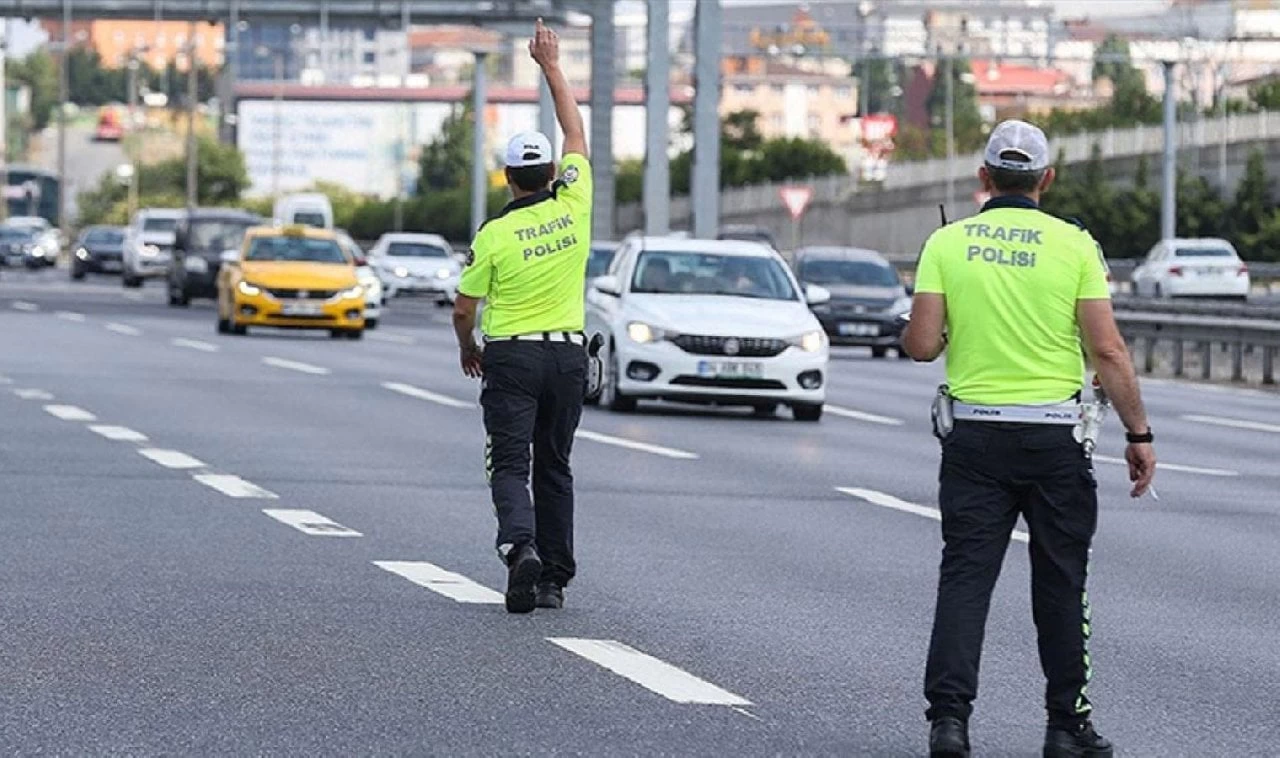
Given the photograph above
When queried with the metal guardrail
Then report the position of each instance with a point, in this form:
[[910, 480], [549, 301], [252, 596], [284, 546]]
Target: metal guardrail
[[1253, 311], [1240, 335]]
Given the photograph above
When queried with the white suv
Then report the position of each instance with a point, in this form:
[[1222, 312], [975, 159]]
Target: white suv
[[720, 322], [1192, 268], [148, 244]]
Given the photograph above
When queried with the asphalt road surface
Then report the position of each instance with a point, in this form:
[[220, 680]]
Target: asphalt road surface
[[282, 544], [87, 159]]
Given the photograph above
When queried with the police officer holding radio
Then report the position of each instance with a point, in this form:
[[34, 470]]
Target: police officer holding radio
[[1009, 293], [529, 264]]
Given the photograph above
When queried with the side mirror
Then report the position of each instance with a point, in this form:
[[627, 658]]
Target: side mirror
[[815, 295], [230, 257], [607, 285], [361, 261], [910, 289]]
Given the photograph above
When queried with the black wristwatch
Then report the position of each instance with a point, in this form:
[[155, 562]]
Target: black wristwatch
[[1137, 439]]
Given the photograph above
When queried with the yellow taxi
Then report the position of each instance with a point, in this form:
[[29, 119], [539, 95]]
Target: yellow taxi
[[293, 277]]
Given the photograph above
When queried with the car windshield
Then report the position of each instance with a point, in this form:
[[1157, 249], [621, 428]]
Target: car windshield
[[857, 273], [599, 261], [13, 233], [104, 237], [1204, 252], [159, 224], [416, 250], [296, 250], [712, 274], [216, 235], [31, 222], [308, 218]]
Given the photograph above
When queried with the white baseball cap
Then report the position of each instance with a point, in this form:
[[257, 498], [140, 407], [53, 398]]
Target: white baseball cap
[[1017, 146], [529, 149]]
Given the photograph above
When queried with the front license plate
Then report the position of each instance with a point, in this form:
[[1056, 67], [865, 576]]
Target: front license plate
[[727, 370], [300, 309], [111, 266], [856, 329]]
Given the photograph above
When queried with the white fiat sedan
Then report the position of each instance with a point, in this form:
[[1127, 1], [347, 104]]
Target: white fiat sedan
[[720, 322]]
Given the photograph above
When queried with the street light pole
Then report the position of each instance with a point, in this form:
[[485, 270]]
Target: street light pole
[[275, 127], [951, 131], [131, 144], [479, 185], [1169, 188], [63, 95], [193, 94], [4, 123]]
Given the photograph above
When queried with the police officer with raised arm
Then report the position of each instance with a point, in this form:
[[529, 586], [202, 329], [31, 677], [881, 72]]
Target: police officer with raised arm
[[529, 266], [1009, 293]]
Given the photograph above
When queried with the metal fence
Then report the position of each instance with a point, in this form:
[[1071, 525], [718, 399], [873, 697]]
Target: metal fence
[[1240, 337]]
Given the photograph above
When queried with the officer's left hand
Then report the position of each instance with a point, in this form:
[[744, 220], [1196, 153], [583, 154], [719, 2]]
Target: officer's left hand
[[471, 364]]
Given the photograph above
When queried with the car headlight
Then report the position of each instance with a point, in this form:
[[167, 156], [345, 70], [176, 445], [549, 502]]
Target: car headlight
[[401, 272], [82, 254], [195, 264], [249, 290], [37, 251], [901, 305], [351, 293], [371, 284], [811, 342], [642, 333], [150, 251], [444, 273]]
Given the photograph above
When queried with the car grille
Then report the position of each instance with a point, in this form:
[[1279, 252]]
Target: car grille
[[284, 294], [746, 347], [732, 384], [860, 307]]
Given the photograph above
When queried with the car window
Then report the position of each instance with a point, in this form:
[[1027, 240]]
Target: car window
[[11, 233], [159, 224], [711, 274], [104, 237], [1204, 252], [308, 218], [620, 258], [216, 235], [416, 250], [599, 260], [295, 249], [858, 273]]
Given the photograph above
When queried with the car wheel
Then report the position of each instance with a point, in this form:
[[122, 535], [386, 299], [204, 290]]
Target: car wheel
[[806, 412], [239, 329], [336, 334], [77, 273], [355, 334], [130, 281], [371, 323], [879, 352], [178, 299], [1157, 291], [610, 397], [902, 355], [764, 410], [224, 326]]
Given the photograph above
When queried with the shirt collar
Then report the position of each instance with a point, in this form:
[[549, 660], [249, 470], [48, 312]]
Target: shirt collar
[[1010, 201], [528, 200]]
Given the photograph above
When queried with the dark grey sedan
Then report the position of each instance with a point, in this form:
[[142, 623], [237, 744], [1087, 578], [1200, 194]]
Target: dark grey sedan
[[866, 296], [99, 250]]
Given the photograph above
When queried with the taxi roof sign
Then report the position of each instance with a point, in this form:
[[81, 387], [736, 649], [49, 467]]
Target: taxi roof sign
[[294, 230]]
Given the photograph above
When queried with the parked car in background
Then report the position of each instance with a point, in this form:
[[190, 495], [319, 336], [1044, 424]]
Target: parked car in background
[[17, 245], [373, 293], [704, 321], [148, 244], [866, 296], [98, 250], [601, 256], [200, 239], [306, 208], [1204, 267], [416, 264]]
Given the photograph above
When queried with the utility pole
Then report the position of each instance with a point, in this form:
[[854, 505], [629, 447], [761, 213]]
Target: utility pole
[[131, 144], [948, 71], [657, 83], [1169, 188], [479, 183], [193, 95], [402, 155], [276, 126], [4, 122], [63, 95]]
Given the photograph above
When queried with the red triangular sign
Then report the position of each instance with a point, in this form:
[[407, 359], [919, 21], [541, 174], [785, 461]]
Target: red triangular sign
[[796, 199]]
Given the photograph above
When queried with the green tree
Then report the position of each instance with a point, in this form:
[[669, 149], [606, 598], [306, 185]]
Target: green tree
[[1253, 203], [39, 72], [967, 121], [880, 77], [445, 162], [1266, 95]]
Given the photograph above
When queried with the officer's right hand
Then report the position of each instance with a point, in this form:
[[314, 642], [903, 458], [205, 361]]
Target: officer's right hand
[[544, 48], [1142, 467]]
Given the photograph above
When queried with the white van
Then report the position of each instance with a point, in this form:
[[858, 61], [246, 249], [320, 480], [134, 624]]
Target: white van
[[308, 209]]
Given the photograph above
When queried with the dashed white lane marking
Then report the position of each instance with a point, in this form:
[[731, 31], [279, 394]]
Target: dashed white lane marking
[[131, 331], [203, 347], [305, 368], [135, 296], [428, 395], [70, 316], [233, 486], [398, 339], [1234, 423], [453, 586], [658, 676], [171, 458], [864, 416], [70, 413], [644, 447], [889, 501], [1172, 467], [33, 394], [24, 306], [119, 433], [310, 522]]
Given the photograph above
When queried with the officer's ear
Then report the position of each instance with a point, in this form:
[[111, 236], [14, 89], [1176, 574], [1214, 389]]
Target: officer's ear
[[1049, 176], [984, 176]]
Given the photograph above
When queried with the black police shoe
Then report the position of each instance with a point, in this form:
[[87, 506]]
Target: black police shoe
[[1078, 742], [523, 570], [549, 595], [949, 738]]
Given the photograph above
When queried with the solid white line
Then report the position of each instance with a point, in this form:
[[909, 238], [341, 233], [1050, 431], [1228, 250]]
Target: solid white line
[[305, 368], [125, 329], [70, 413], [70, 316], [119, 433], [453, 586], [1172, 467], [133, 296], [194, 344], [233, 486], [1235, 423], [171, 458], [863, 416], [33, 394], [310, 522], [24, 306], [421, 394], [644, 447], [889, 501], [654, 675], [396, 338]]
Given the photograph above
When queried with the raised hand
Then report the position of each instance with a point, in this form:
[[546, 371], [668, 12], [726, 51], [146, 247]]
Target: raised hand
[[544, 48]]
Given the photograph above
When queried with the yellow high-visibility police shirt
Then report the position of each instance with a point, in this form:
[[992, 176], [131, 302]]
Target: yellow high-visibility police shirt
[[529, 263], [1011, 276]]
